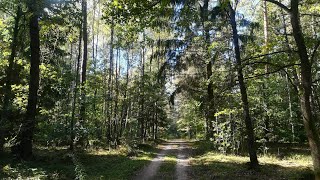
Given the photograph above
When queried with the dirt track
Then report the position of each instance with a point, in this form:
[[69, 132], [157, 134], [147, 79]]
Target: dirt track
[[181, 149]]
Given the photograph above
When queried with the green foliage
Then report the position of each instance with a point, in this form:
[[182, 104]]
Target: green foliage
[[157, 80]]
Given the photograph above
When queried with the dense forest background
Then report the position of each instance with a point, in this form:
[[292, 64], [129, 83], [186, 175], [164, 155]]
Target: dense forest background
[[102, 73]]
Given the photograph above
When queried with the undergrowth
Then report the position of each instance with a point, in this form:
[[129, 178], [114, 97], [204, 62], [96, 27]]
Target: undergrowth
[[59, 163], [208, 163]]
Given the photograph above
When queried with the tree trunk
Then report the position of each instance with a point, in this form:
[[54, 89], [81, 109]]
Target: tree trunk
[[94, 60], [290, 109], [306, 88], [75, 93], [6, 111], [23, 146], [109, 96], [210, 100], [116, 99], [84, 67], [141, 114], [125, 104], [265, 85], [244, 97]]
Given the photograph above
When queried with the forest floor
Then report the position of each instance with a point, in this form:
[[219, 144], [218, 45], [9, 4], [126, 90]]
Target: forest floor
[[175, 159], [60, 163], [281, 161]]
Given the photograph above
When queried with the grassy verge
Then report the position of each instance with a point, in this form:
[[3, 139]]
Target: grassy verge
[[167, 168], [207, 164], [61, 164]]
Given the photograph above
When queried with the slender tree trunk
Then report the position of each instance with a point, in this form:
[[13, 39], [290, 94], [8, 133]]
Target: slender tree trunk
[[266, 33], [142, 113], [210, 100], [94, 57], [125, 104], [7, 100], [290, 110], [265, 85], [75, 93], [109, 96], [244, 97], [84, 68], [23, 146], [115, 116]]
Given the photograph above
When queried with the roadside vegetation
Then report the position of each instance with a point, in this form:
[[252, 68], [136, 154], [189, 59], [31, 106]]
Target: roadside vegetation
[[59, 163], [208, 163]]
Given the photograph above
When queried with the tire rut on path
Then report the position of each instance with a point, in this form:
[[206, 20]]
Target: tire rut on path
[[183, 162], [181, 149]]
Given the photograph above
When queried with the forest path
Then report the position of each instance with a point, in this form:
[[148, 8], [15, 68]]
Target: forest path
[[182, 167], [179, 148]]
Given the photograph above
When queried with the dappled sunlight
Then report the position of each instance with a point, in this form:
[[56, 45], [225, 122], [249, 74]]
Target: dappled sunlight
[[221, 166], [58, 164], [212, 156], [47, 165], [291, 161]]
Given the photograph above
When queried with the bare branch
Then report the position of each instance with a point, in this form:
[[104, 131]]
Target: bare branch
[[263, 55], [272, 72], [315, 15], [269, 63], [280, 5]]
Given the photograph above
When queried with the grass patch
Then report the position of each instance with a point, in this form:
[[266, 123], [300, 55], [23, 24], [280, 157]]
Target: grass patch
[[282, 161], [217, 166], [60, 164], [167, 168]]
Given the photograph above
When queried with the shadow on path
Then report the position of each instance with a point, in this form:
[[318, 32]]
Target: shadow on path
[[180, 148]]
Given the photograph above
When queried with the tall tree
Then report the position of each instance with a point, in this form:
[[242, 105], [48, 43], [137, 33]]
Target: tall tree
[[110, 94], [243, 90], [210, 104], [75, 92], [265, 86], [305, 88], [23, 145], [84, 63]]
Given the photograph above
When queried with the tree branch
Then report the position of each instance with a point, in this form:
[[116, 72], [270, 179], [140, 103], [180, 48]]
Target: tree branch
[[280, 5], [6, 10], [315, 15], [269, 63], [263, 55], [275, 71]]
